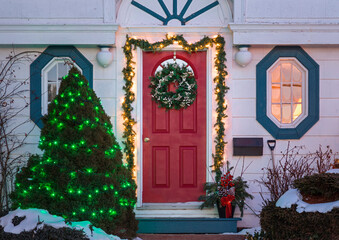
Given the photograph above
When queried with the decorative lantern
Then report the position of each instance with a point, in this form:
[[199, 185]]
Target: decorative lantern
[[105, 56], [243, 57]]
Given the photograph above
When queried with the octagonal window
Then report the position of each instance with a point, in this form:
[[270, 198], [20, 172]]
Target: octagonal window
[[287, 92], [46, 73]]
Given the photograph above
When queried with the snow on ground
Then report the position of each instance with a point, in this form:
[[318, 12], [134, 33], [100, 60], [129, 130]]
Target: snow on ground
[[293, 196], [33, 216], [245, 231], [335, 170], [250, 231]]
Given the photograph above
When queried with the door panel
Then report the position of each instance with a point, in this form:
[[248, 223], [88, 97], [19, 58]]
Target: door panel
[[174, 159]]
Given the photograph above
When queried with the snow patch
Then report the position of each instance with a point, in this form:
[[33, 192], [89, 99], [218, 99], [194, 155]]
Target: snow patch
[[33, 216], [293, 196], [245, 231], [335, 170], [249, 231]]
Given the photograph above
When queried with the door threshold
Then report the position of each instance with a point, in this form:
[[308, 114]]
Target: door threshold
[[174, 210], [170, 206]]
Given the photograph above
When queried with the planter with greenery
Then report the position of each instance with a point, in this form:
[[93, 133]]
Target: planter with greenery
[[227, 190]]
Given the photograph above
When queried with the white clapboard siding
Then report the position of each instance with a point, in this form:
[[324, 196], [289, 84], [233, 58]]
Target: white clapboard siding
[[243, 113], [52, 11], [291, 11], [104, 85]]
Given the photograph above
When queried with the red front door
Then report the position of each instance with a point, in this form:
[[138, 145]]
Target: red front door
[[174, 158]]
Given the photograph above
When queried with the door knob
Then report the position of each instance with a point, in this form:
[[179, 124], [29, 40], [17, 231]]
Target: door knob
[[146, 139]]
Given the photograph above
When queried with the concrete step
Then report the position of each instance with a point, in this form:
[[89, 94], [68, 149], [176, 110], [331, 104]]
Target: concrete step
[[190, 237]]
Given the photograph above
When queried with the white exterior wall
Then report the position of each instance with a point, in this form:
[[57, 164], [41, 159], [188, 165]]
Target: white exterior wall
[[289, 22], [104, 84], [312, 24], [288, 11], [49, 12], [263, 24], [85, 22], [244, 124]]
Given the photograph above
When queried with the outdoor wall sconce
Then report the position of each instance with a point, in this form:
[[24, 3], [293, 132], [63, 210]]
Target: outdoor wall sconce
[[105, 56], [243, 57]]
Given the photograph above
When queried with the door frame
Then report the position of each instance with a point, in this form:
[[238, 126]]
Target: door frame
[[210, 105]]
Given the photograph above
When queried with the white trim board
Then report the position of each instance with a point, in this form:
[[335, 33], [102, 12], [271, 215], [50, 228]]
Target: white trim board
[[87, 34], [196, 30], [290, 34], [170, 210]]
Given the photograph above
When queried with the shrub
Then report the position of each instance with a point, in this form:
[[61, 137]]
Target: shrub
[[287, 223], [325, 185], [45, 233], [81, 175], [292, 166]]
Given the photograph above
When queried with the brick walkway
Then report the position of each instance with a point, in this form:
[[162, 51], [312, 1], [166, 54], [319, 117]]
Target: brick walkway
[[190, 237]]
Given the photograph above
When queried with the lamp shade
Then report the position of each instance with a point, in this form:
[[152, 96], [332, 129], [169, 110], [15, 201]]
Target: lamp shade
[[105, 56], [243, 57]]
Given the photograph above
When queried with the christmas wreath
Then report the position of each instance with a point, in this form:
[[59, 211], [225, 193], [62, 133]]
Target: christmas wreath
[[184, 81]]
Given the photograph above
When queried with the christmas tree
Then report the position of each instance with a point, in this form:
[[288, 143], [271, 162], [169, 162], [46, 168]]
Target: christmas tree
[[81, 175]]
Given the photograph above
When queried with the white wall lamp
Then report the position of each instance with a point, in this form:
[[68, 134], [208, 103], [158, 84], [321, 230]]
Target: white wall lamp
[[243, 57], [105, 56]]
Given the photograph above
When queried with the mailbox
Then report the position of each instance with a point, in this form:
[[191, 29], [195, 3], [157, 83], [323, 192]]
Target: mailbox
[[247, 146]]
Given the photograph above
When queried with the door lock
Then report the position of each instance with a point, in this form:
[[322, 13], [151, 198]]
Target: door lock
[[146, 139]]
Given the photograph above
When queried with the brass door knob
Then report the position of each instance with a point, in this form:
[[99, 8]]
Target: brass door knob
[[146, 139]]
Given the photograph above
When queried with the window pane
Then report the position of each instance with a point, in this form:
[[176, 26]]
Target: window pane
[[297, 111], [52, 74], [296, 74], [286, 93], [286, 72], [276, 111], [276, 74], [180, 62], [52, 91], [297, 96], [286, 113], [62, 70], [275, 93]]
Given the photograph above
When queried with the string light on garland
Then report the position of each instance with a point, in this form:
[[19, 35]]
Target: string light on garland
[[220, 91]]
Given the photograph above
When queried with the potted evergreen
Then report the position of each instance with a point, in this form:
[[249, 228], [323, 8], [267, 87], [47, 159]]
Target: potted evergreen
[[225, 193]]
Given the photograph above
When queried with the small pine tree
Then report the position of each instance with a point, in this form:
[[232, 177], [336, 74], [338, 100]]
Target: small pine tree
[[81, 175]]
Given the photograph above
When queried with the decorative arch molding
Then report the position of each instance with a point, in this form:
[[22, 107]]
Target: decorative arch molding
[[174, 13]]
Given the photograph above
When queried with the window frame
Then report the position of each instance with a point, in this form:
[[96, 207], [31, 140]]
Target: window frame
[[302, 125], [44, 79], [36, 75], [304, 93]]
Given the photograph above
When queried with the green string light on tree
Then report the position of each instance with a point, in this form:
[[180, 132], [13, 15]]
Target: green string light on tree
[[81, 175], [220, 91]]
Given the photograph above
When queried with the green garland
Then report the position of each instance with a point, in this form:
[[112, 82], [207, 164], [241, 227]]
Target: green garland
[[185, 93], [220, 91]]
